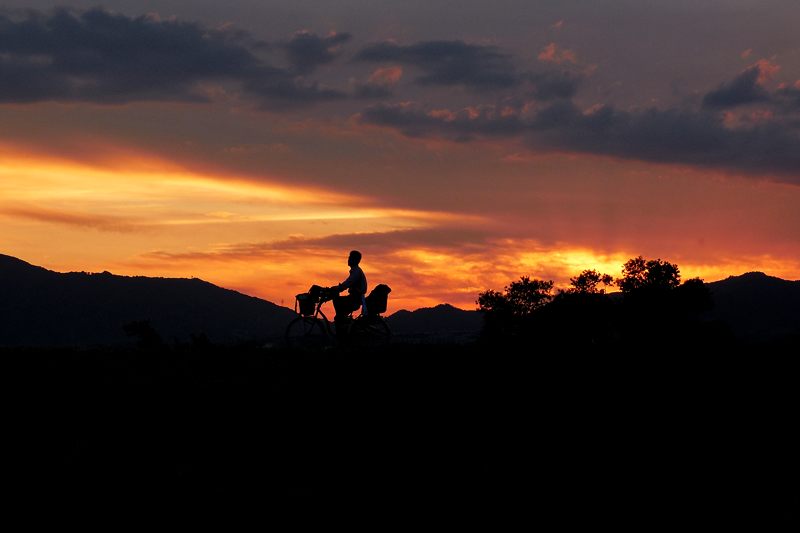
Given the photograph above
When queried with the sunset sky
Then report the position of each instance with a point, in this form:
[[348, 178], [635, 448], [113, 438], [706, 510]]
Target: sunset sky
[[458, 145]]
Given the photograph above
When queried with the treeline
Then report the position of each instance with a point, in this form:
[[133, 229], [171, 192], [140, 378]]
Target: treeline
[[653, 307]]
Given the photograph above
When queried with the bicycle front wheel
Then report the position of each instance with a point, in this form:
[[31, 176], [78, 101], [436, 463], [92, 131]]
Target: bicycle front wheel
[[307, 333], [370, 332]]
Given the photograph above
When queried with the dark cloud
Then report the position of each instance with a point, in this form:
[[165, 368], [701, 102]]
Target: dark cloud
[[369, 90], [380, 84], [386, 242], [449, 63], [52, 216], [441, 238], [552, 85], [478, 67], [694, 137], [104, 57], [278, 90], [788, 98], [670, 136], [306, 51], [462, 125], [743, 89]]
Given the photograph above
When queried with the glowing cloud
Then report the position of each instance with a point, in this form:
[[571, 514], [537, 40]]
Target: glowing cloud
[[386, 76], [553, 54]]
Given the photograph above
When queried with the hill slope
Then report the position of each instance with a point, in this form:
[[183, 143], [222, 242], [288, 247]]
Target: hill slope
[[39, 307], [756, 306], [442, 322]]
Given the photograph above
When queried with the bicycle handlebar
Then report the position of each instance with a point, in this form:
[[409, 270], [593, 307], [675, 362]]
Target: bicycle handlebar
[[326, 294]]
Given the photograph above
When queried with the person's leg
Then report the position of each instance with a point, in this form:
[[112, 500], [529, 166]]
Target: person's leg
[[341, 305], [344, 305], [355, 302]]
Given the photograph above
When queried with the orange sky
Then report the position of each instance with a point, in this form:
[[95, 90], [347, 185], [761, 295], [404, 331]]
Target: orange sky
[[141, 215], [458, 153]]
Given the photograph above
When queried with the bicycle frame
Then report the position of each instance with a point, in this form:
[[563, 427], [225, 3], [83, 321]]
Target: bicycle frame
[[370, 329], [330, 326], [319, 312]]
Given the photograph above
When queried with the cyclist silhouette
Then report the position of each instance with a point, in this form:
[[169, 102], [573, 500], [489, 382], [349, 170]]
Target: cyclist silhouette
[[356, 285], [311, 328]]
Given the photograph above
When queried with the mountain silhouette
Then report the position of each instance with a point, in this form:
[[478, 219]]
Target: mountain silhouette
[[39, 307], [754, 307], [757, 307], [440, 323]]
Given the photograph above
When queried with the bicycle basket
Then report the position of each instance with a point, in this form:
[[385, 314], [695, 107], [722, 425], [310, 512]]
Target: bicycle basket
[[378, 299], [306, 304]]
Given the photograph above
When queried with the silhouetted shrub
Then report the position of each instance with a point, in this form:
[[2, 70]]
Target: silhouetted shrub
[[509, 312], [650, 275], [654, 307]]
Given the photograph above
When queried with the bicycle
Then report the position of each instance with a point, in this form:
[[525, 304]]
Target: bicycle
[[312, 330]]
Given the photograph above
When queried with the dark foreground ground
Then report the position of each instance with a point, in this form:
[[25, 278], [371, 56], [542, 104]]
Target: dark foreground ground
[[463, 433]]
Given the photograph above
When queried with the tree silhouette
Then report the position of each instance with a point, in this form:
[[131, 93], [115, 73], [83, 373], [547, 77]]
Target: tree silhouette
[[656, 308], [506, 313], [640, 274], [588, 281], [519, 299], [581, 316], [693, 296]]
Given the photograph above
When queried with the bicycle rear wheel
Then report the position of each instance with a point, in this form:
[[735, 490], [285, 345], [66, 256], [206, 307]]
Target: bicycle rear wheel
[[369, 332], [307, 333]]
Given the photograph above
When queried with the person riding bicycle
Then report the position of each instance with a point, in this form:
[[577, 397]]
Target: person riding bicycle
[[311, 329], [356, 285]]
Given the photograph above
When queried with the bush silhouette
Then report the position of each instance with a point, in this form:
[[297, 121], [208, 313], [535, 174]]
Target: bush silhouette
[[588, 282], [506, 312], [640, 274], [655, 306]]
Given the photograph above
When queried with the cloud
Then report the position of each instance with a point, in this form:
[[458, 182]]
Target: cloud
[[384, 242], [767, 70], [693, 137], [749, 88], [110, 58], [306, 50], [449, 63], [670, 136], [104, 57], [552, 85], [386, 76], [478, 67], [788, 97], [746, 88], [380, 83], [462, 125], [93, 221], [278, 90], [552, 54], [100, 56], [423, 266]]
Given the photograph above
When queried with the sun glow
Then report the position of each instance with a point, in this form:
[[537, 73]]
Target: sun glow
[[138, 216], [157, 219]]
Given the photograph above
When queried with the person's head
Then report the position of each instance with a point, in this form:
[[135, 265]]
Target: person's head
[[354, 258]]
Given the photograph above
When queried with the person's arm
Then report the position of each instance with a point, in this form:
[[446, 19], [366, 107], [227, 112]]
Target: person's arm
[[346, 284]]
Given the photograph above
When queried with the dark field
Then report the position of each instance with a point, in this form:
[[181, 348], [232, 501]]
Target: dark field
[[468, 432]]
